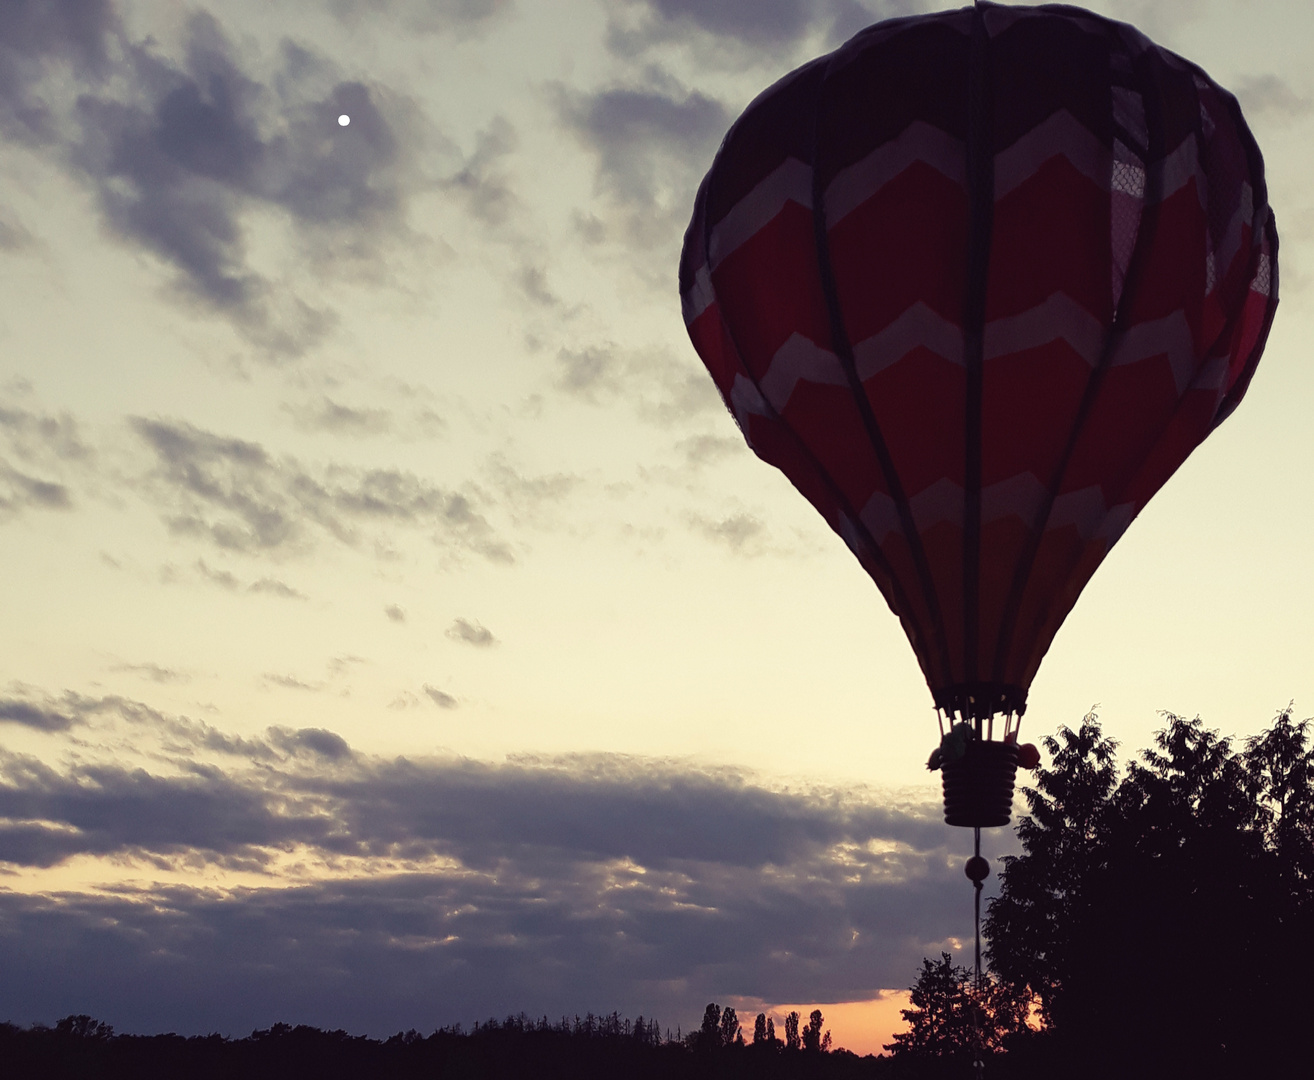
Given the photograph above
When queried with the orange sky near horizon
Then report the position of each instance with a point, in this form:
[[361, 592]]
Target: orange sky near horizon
[[864, 1027]]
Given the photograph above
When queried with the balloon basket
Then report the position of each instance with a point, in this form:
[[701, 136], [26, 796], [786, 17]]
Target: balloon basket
[[978, 787]]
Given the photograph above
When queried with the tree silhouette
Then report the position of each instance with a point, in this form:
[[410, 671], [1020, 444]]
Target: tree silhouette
[[730, 1034], [708, 1037], [1028, 924], [1283, 768], [760, 1030], [949, 1018], [812, 1036], [792, 1041], [1150, 916]]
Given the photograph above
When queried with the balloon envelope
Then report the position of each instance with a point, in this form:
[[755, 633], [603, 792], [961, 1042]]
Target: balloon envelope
[[977, 283]]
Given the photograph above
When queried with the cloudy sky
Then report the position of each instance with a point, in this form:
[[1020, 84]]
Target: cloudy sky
[[396, 629]]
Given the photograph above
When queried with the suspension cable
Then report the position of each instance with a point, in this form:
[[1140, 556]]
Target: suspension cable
[[978, 1064]]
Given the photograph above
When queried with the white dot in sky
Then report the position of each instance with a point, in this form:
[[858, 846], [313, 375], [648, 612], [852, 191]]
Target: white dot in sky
[[344, 120]]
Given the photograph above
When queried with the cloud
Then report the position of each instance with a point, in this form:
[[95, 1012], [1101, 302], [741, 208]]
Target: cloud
[[472, 633], [341, 665], [664, 390], [239, 497], [39, 455], [155, 672], [315, 741], [701, 450], [738, 34], [772, 25], [338, 419], [533, 284], [463, 18], [226, 579], [529, 498], [14, 235], [290, 682], [184, 153], [1158, 20], [743, 533], [19, 491], [440, 698], [585, 372], [1272, 97], [71, 709], [546, 884], [33, 35], [28, 714], [395, 613], [273, 587], [482, 183], [652, 139]]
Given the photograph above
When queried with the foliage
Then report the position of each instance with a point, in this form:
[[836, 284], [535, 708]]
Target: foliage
[[1147, 910], [792, 1041], [813, 1038], [950, 1018]]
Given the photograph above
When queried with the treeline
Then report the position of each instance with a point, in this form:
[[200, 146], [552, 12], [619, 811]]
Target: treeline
[[519, 1047]]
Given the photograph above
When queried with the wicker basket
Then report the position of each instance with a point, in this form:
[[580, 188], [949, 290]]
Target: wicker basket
[[978, 787]]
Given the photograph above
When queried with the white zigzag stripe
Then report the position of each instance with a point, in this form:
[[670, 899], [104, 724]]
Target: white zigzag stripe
[[1059, 318], [800, 359], [1178, 168], [746, 401], [1021, 496], [1056, 317], [1212, 374], [919, 141], [1170, 335], [1060, 135], [919, 326], [1063, 134], [700, 296], [790, 181]]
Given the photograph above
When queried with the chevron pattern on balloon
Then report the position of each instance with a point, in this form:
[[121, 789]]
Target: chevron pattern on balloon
[[1129, 286]]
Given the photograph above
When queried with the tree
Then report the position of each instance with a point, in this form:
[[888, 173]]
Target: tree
[[791, 1031], [771, 1031], [1026, 925], [940, 1021], [708, 1036], [812, 1037], [1281, 764], [1145, 908], [82, 1026], [760, 1029], [729, 1027]]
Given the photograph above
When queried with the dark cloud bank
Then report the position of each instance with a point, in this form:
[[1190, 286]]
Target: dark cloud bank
[[553, 886]]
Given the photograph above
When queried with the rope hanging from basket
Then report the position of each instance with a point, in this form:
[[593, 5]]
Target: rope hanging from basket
[[978, 881]]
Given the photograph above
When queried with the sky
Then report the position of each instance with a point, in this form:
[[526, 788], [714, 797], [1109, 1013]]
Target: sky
[[396, 630]]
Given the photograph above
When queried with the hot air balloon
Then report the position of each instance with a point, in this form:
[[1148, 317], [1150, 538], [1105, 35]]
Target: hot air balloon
[[978, 282]]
